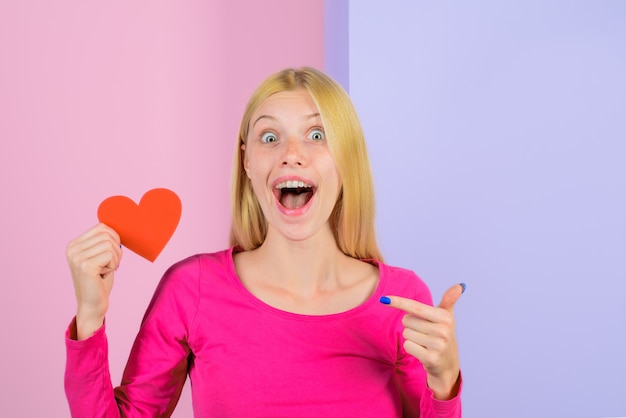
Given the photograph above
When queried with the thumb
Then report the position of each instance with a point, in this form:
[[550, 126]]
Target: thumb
[[451, 296]]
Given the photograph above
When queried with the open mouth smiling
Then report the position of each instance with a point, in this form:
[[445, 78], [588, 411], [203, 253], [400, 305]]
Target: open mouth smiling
[[293, 194]]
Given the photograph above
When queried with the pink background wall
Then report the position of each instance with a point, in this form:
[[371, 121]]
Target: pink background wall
[[99, 99]]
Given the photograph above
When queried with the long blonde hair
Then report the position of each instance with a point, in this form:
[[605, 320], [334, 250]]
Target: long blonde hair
[[352, 219]]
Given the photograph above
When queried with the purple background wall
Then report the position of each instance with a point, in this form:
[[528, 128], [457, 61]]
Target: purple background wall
[[497, 132], [337, 41]]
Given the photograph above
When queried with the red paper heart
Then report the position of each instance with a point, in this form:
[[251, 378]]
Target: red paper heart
[[145, 228]]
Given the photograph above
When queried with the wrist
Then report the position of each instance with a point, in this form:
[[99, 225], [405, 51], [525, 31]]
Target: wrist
[[87, 325], [445, 387]]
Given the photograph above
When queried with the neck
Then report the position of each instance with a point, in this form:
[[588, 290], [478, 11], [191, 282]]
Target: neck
[[302, 266]]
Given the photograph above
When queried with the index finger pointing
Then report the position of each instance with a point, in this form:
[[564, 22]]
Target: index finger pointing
[[409, 306]]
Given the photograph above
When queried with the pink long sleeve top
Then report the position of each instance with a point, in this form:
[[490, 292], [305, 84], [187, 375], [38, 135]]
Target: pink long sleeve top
[[248, 359]]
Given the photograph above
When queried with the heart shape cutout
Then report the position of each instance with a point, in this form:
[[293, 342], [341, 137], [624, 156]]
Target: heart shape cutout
[[144, 228]]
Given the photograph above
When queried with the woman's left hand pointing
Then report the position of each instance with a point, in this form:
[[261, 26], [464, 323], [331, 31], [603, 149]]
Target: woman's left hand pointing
[[429, 334]]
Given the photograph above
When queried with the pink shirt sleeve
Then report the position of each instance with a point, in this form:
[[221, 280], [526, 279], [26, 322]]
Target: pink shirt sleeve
[[418, 400], [157, 367], [88, 384]]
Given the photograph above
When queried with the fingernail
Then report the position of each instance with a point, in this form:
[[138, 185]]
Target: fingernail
[[385, 300], [463, 286]]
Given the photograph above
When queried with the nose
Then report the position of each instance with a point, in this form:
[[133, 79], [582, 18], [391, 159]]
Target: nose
[[294, 154]]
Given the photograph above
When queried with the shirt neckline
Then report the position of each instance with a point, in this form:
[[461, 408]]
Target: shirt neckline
[[372, 300]]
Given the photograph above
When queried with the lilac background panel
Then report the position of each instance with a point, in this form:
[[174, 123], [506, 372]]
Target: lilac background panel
[[336, 41], [497, 132]]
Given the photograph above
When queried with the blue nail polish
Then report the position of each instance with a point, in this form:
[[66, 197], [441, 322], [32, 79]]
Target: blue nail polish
[[385, 300], [463, 286]]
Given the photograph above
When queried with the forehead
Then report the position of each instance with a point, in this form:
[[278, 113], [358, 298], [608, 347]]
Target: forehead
[[287, 104]]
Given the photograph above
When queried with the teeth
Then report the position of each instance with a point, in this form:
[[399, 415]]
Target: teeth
[[292, 184]]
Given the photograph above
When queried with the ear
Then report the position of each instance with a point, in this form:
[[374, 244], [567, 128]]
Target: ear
[[246, 163]]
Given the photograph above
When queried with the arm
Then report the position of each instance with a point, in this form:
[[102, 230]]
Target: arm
[[418, 400], [88, 385], [428, 367], [93, 258], [156, 369], [160, 357]]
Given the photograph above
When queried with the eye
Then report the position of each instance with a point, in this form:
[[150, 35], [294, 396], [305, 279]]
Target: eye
[[316, 135], [268, 137]]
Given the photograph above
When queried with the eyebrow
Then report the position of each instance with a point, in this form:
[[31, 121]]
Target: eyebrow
[[311, 116]]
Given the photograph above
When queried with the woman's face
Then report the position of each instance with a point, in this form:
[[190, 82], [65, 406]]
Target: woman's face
[[288, 161]]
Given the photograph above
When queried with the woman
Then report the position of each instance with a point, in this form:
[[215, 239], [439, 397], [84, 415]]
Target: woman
[[287, 322]]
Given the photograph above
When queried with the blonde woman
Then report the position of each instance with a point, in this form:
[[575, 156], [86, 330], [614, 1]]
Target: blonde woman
[[296, 318]]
